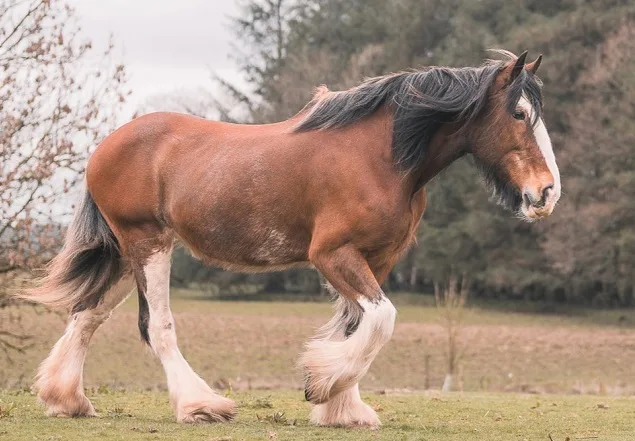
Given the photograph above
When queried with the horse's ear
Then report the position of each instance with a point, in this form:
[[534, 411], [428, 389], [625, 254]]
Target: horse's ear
[[518, 67], [534, 65]]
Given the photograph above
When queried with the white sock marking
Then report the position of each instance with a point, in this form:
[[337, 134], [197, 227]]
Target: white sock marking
[[335, 364], [188, 391]]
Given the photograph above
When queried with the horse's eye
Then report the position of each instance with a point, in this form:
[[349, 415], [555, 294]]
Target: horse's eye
[[519, 114]]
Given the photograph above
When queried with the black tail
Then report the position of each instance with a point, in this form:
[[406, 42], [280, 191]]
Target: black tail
[[88, 265]]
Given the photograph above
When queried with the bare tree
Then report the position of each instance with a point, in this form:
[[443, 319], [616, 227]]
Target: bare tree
[[451, 304], [13, 338], [53, 110]]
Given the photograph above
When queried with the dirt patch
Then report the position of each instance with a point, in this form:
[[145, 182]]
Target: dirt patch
[[260, 351]]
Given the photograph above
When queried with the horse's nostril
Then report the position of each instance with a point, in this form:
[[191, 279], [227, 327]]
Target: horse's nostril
[[537, 199], [545, 192]]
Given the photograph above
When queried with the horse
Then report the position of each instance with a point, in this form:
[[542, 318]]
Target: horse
[[339, 187]]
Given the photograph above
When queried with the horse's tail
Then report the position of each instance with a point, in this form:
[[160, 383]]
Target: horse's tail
[[87, 266]]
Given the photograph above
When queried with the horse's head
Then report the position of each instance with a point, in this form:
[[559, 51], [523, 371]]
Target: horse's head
[[511, 144]]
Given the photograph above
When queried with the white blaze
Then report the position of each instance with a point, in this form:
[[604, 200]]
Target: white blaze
[[544, 143]]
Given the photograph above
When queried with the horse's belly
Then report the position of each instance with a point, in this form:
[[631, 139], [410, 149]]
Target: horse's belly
[[239, 247]]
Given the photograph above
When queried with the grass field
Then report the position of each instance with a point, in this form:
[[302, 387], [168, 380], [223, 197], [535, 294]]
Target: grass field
[[254, 345], [566, 375], [282, 415]]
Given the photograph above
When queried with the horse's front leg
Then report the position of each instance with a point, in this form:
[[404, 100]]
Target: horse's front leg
[[340, 355], [193, 400]]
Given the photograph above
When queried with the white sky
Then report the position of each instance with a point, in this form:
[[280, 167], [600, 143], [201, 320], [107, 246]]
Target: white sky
[[166, 45]]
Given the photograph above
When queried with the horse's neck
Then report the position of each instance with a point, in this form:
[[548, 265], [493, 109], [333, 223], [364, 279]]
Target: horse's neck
[[445, 148]]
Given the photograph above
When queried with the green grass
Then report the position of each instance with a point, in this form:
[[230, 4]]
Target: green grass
[[126, 415], [254, 345]]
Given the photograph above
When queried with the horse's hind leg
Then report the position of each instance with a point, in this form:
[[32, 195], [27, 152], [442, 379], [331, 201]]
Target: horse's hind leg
[[337, 359], [59, 381], [193, 400]]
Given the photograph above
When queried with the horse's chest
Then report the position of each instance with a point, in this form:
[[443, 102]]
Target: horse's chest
[[396, 233], [392, 237]]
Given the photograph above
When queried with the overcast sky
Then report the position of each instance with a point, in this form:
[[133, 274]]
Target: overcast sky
[[167, 45]]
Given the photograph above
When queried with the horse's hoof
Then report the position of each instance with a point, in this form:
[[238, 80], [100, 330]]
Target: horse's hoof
[[67, 406], [218, 410], [339, 414]]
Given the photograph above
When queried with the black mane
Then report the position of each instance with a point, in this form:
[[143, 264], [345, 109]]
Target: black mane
[[421, 101]]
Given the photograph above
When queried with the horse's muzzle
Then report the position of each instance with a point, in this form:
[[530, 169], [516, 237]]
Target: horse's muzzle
[[541, 203]]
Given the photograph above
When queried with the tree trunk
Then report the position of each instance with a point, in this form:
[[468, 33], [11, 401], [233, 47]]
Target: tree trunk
[[447, 383], [411, 262]]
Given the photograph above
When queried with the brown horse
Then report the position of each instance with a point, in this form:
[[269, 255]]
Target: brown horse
[[339, 186]]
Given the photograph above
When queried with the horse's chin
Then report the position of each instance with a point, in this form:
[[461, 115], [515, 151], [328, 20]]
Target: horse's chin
[[522, 215], [503, 192]]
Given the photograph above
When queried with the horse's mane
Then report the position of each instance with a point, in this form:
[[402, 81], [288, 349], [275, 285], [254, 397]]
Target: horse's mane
[[421, 101]]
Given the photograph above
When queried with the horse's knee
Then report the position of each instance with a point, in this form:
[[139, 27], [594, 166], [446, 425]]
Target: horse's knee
[[377, 323]]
